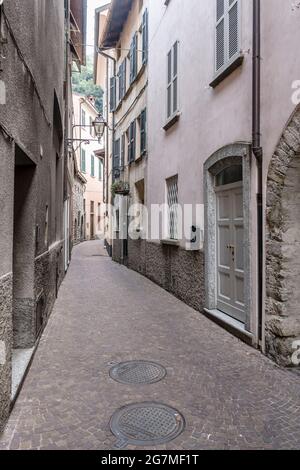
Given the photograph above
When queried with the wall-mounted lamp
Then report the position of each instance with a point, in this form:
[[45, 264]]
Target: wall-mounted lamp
[[99, 126]]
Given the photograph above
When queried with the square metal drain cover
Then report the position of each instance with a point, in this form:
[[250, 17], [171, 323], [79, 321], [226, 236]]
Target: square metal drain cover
[[138, 372], [146, 424]]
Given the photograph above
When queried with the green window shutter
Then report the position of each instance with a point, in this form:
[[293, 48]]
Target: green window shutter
[[116, 163], [120, 83], [131, 62], [112, 101], [83, 160], [133, 140], [145, 36], [123, 152], [133, 58], [124, 78], [92, 165], [143, 121]]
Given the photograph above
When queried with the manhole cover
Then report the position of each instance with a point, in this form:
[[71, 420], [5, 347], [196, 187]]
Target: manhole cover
[[137, 372], [146, 424]]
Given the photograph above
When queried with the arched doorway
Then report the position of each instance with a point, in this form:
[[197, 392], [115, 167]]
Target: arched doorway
[[283, 247], [229, 296]]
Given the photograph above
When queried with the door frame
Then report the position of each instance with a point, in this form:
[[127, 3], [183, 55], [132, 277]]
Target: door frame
[[235, 312], [234, 154]]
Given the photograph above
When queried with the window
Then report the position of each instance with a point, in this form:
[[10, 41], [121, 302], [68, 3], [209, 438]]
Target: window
[[92, 166], [230, 175], [83, 118], [83, 160], [172, 201], [122, 80], [133, 58], [100, 169], [92, 207], [116, 163], [112, 99], [172, 87], [227, 32], [123, 152], [145, 37], [143, 128], [131, 142]]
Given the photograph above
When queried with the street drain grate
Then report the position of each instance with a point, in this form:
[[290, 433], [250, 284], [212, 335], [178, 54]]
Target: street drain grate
[[138, 372], [146, 424]]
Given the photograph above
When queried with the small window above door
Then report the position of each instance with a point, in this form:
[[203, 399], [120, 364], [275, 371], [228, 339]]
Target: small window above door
[[230, 175]]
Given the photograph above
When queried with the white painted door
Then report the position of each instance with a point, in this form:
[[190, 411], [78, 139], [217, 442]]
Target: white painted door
[[230, 250]]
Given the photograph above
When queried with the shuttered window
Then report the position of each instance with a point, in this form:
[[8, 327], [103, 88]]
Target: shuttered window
[[122, 80], [145, 36], [133, 58], [227, 32], [83, 161], [172, 85], [92, 166], [172, 201], [132, 142], [112, 101], [143, 126], [116, 163], [123, 152]]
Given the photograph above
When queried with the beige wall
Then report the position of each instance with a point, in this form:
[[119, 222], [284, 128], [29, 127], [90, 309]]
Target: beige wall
[[94, 186], [136, 97]]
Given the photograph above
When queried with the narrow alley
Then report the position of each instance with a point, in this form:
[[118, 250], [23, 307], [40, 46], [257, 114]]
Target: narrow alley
[[230, 395]]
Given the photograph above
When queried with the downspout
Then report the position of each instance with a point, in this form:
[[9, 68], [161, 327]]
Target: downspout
[[258, 153]]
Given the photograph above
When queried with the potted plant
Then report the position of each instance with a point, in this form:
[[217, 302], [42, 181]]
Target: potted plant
[[120, 187]]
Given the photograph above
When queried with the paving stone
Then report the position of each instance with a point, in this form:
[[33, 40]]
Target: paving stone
[[231, 396]]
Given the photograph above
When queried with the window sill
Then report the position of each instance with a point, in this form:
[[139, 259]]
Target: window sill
[[168, 241], [140, 157], [171, 121], [225, 72]]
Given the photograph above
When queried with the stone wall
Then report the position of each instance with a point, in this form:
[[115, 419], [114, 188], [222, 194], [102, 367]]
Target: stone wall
[[178, 271], [5, 346], [31, 140], [49, 274], [117, 250], [283, 246]]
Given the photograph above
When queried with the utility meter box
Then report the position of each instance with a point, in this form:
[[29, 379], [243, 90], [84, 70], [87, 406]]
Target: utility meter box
[[196, 241]]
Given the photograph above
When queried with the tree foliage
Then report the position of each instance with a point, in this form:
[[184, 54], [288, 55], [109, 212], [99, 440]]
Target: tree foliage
[[83, 83]]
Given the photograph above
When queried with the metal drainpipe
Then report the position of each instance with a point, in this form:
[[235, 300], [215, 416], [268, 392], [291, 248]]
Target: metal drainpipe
[[108, 57], [258, 153]]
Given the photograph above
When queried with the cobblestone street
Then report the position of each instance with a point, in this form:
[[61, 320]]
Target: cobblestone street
[[231, 396]]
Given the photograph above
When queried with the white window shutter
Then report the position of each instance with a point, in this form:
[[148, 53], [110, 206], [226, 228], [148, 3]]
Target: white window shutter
[[227, 31], [220, 34], [233, 26]]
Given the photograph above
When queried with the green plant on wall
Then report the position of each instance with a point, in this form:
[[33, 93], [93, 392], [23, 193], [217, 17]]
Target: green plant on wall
[[120, 187]]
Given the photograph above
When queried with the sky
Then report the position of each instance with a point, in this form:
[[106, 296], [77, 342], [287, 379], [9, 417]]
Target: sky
[[92, 5]]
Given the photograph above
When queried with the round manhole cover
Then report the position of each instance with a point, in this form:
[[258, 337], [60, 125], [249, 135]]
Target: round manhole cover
[[146, 424], [137, 372]]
